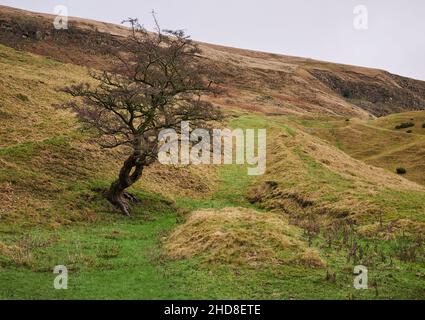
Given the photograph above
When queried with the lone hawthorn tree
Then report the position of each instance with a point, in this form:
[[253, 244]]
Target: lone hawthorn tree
[[157, 81]]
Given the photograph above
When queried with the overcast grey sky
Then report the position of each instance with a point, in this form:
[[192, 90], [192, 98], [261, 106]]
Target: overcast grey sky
[[319, 29]]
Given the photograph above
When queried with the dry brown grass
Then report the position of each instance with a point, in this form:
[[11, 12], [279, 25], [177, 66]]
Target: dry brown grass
[[391, 121], [397, 228], [304, 174], [44, 157], [181, 181], [19, 256], [377, 142], [261, 79], [240, 236]]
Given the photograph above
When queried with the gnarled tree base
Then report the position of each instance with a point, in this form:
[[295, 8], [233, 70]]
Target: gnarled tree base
[[122, 201], [129, 174]]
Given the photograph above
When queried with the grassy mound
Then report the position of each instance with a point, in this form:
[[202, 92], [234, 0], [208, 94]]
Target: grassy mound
[[240, 236]]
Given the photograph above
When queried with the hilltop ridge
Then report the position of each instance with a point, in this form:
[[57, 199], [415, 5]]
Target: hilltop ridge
[[258, 81]]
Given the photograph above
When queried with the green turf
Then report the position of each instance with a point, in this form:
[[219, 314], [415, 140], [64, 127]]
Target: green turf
[[121, 258]]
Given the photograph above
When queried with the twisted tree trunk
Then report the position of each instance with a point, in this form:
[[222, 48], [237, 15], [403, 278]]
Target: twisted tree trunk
[[130, 172]]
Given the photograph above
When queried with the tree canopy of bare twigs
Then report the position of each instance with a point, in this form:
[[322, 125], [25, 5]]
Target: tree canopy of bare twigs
[[157, 81]]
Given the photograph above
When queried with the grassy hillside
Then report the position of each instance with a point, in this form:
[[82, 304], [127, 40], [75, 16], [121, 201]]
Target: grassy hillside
[[273, 237], [256, 81], [49, 167], [377, 142]]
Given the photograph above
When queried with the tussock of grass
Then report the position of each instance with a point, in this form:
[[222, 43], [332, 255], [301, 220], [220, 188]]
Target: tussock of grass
[[15, 255], [240, 236], [396, 228]]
